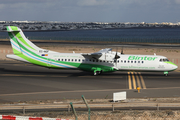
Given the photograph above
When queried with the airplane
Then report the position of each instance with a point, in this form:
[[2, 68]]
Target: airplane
[[99, 62]]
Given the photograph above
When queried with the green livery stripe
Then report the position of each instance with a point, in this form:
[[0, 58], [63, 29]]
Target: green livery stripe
[[8, 28], [35, 54], [35, 61], [170, 63], [14, 39], [18, 35], [14, 28], [16, 52]]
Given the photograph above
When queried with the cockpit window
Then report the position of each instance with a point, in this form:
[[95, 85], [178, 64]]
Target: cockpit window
[[163, 60]]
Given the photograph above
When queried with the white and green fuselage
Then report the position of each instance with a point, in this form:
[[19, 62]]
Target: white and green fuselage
[[102, 61]]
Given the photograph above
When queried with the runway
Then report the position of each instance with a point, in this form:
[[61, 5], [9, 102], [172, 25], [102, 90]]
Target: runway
[[25, 82]]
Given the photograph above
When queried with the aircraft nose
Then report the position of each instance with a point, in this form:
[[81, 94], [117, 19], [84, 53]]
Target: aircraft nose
[[176, 67]]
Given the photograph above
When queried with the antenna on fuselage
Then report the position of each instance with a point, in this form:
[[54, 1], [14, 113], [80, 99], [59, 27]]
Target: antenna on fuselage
[[122, 51], [116, 56]]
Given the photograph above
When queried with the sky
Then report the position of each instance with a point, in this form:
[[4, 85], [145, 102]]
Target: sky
[[148, 11]]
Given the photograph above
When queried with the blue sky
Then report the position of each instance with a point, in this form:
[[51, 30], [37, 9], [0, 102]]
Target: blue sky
[[91, 10]]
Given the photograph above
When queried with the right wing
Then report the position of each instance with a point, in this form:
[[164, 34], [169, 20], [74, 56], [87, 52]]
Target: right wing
[[96, 54]]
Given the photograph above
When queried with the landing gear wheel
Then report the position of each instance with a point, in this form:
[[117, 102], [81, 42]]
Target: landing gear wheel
[[95, 73], [99, 72], [166, 75]]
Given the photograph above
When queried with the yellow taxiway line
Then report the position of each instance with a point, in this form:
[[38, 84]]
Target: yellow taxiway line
[[134, 82], [136, 77], [142, 81], [129, 79]]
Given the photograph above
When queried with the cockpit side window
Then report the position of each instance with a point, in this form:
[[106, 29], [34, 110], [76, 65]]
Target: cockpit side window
[[166, 59], [163, 60]]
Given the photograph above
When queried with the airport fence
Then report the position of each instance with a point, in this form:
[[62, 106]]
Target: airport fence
[[130, 115], [101, 111], [101, 115]]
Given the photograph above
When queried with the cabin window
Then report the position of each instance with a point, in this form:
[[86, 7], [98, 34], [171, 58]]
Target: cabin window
[[89, 59], [65, 59], [62, 60], [83, 60], [93, 60], [142, 61], [128, 61], [104, 61], [100, 61], [131, 61], [58, 59], [72, 60], [122, 61], [134, 61], [138, 61], [96, 60], [118, 61], [75, 59], [86, 59], [68, 59], [125, 61], [107, 61], [114, 60], [79, 60]]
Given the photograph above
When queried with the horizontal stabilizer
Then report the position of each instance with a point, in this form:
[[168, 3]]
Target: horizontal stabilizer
[[13, 29], [15, 57]]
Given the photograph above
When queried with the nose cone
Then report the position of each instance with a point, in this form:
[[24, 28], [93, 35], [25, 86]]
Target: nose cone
[[175, 67], [172, 66]]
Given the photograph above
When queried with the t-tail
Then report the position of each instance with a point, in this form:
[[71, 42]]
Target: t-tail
[[24, 49]]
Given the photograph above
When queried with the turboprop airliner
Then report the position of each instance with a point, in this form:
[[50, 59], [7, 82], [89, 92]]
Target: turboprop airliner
[[99, 62]]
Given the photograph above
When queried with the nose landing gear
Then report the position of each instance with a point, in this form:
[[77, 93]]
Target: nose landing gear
[[166, 73]]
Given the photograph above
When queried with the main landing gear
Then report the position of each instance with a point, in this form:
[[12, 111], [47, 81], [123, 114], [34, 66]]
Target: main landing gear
[[97, 72], [166, 73]]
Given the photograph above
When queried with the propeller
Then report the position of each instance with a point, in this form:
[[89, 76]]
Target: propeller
[[116, 57]]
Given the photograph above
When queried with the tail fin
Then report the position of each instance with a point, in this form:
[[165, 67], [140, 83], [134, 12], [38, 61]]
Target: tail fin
[[19, 42]]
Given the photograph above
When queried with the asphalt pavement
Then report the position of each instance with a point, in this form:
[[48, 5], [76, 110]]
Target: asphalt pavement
[[25, 82]]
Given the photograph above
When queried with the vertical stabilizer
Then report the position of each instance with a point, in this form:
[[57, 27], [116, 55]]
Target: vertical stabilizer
[[19, 42]]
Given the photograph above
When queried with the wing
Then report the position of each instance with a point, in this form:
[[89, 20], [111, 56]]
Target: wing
[[96, 55]]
